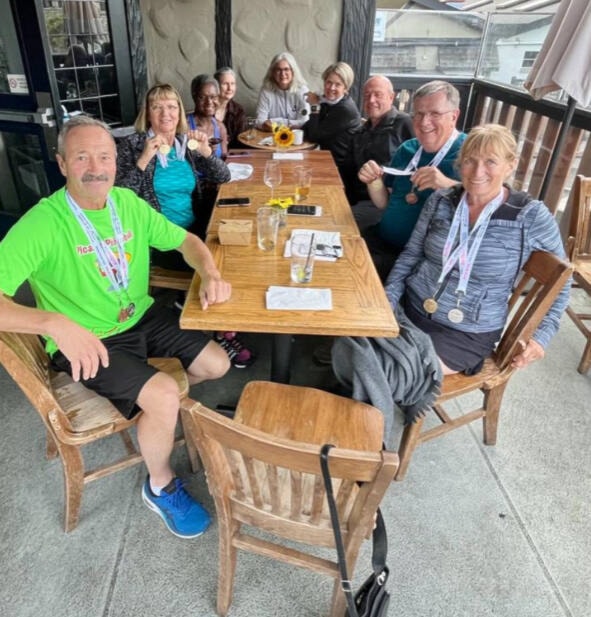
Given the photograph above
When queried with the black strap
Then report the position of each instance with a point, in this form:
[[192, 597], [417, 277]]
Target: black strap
[[380, 542], [334, 517]]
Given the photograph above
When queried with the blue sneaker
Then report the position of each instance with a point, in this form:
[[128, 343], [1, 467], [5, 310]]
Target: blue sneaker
[[183, 516]]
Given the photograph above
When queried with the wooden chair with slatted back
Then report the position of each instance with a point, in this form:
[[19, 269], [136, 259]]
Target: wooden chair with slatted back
[[544, 275], [579, 252], [75, 416], [268, 481]]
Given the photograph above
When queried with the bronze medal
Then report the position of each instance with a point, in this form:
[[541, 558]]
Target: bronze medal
[[456, 315], [164, 149], [411, 198], [430, 305], [126, 312], [192, 144]]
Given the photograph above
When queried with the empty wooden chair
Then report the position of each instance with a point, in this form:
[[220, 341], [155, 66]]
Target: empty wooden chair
[[544, 275], [73, 415], [265, 479], [579, 252]]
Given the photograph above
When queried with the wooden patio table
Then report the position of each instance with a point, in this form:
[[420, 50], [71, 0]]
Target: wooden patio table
[[359, 303], [258, 135]]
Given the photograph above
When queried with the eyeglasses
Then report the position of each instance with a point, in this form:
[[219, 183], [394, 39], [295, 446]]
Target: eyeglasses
[[207, 97], [430, 115], [158, 108], [278, 70]]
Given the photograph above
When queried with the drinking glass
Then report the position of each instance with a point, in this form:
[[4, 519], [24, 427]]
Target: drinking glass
[[302, 258], [303, 182], [250, 124], [267, 226], [272, 177]]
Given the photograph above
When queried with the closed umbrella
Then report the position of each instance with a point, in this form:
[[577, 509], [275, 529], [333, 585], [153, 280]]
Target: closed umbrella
[[564, 62]]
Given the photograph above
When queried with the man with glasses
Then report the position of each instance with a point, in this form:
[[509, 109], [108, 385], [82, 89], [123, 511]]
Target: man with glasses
[[423, 165], [377, 139]]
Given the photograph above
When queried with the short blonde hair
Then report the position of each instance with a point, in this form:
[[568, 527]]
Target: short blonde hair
[[343, 70], [160, 92], [489, 138]]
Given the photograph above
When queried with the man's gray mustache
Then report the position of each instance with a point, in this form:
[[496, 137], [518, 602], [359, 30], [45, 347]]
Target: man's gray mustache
[[93, 178]]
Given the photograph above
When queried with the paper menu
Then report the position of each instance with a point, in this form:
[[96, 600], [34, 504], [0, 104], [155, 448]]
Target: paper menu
[[328, 246]]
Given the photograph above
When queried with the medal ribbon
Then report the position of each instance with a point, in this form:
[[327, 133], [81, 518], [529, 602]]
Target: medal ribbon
[[412, 164], [462, 254], [179, 147], [114, 267]]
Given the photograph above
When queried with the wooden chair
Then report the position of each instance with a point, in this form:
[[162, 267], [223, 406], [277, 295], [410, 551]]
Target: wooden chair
[[579, 252], [266, 480], [75, 416], [544, 275]]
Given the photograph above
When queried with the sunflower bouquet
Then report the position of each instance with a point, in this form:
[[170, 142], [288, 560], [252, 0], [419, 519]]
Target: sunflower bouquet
[[283, 136]]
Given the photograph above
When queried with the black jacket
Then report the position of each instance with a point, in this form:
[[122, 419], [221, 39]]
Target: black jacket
[[372, 143]]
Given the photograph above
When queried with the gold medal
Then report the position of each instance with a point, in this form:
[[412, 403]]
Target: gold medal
[[411, 198], [430, 305], [192, 144], [164, 149]]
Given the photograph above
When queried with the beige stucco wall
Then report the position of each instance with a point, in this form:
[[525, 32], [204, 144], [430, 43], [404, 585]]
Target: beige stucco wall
[[180, 40]]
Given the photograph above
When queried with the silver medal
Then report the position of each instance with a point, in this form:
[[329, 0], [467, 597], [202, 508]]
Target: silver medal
[[456, 315]]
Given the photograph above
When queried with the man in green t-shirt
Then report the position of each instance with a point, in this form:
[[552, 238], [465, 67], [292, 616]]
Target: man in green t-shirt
[[85, 252]]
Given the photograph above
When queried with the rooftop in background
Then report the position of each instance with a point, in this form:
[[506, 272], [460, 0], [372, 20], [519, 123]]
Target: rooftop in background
[[549, 6]]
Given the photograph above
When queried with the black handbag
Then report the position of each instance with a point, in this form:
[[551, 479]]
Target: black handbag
[[372, 599]]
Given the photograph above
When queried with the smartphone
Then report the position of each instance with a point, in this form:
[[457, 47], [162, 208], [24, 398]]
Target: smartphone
[[305, 210], [233, 201]]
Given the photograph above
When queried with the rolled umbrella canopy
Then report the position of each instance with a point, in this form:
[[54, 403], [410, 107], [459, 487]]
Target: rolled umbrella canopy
[[564, 62]]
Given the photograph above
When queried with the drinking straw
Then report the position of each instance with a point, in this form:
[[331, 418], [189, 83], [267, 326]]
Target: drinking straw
[[310, 251]]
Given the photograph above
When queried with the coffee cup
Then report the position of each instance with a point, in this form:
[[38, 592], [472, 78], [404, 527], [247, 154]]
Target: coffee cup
[[298, 137]]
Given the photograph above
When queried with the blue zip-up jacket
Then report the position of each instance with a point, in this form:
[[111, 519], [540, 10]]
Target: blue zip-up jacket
[[518, 227]]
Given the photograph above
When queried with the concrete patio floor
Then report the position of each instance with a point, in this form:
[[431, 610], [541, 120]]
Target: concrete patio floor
[[473, 531]]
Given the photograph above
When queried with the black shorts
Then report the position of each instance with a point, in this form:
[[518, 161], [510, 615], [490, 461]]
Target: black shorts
[[463, 352], [156, 335]]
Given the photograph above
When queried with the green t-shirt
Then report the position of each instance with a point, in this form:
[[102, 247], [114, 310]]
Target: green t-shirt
[[49, 248]]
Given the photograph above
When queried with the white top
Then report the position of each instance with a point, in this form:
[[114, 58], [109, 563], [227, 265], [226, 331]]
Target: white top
[[283, 105]]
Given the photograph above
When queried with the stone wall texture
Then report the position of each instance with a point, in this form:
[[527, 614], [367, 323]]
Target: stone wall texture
[[179, 37]]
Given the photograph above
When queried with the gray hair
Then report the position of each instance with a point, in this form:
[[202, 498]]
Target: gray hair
[[202, 80], [343, 70], [297, 80], [225, 70], [433, 87], [75, 122]]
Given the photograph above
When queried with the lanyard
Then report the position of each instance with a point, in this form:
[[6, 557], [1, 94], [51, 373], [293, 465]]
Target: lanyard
[[412, 165], [114, 267], [465, 252], [179, 147]]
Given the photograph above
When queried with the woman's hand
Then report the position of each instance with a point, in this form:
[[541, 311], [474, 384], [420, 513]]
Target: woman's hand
[[151, 146], [530, 352], [312, 98], [370, 172], [202, 140], [267, 125]]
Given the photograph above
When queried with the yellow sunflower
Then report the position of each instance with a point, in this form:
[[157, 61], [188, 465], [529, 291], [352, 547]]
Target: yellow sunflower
[[283, 136]]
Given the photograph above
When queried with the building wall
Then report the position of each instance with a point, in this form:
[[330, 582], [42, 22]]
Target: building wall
[[179, 38]]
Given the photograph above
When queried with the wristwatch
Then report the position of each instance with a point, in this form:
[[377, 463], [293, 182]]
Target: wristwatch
[[314, 108]]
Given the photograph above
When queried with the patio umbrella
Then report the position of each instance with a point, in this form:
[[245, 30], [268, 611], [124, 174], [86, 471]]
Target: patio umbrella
[[83, 19], [564, 63]]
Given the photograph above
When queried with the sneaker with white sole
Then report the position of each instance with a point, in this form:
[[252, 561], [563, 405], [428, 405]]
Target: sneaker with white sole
[[183, 516]]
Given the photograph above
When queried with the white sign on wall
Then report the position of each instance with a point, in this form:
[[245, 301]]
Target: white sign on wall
[[17, 84]]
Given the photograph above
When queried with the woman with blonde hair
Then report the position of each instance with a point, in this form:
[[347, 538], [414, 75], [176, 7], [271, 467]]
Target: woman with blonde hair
[[334, 112], [282, 96]]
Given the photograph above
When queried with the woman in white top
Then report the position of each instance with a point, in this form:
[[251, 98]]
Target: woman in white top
[[282, 96]]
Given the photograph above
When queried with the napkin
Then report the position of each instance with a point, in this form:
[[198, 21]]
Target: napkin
[[328, 245], [288, 156], [239, 171], [266, 141], [298, 299]]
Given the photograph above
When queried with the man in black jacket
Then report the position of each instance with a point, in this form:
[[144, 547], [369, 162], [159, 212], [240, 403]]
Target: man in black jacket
[[377, 139]]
